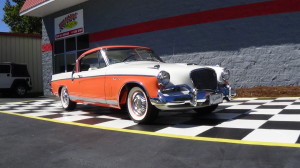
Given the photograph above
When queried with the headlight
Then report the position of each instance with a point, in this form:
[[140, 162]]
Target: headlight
[[163, 78], [226, 74]]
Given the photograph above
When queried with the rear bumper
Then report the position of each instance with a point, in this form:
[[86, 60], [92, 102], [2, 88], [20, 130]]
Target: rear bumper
[[170, 99]]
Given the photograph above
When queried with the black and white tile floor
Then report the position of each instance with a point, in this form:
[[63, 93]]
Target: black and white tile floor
[[247, 119]]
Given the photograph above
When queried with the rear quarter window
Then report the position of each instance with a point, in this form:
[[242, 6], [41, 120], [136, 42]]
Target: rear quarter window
[[4, 69], [20, 71]]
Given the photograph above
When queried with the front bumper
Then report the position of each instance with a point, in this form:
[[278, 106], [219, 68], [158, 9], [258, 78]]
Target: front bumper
[[183, 97]]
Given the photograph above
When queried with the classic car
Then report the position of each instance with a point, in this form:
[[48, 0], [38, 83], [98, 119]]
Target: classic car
[[136, 79]]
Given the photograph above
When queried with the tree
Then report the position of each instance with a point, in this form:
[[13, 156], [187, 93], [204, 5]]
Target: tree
[[17, 23]]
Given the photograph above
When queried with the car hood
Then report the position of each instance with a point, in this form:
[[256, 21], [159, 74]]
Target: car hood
[[179, 72]]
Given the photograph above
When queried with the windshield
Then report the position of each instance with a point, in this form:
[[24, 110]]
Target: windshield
[[116, 55]]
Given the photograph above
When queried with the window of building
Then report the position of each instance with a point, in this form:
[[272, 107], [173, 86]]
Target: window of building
[[66, 52]]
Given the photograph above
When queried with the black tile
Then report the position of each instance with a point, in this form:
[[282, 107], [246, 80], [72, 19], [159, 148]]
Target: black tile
[[271, 107], [290, 111], [254, 117], [53, 116], [265, 99], [252, 103], [281, 125], [227, 133], [296, 103], [240, 111], [223, 107], [283, 100], [298, 141], [92, 121], [151, 128]]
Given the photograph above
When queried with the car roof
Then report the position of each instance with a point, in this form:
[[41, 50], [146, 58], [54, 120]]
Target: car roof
[[112, 46]]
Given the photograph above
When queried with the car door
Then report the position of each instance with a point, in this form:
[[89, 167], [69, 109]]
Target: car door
[[5, 76], [90, 78]]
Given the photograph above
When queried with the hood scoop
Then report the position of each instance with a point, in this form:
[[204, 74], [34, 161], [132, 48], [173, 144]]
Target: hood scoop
[[155, 67]]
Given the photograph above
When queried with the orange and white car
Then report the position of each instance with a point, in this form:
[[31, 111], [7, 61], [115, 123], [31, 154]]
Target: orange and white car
[[134, 78]]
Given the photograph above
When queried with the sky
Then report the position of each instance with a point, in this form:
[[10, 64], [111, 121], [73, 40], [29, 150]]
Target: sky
[[3, 26]]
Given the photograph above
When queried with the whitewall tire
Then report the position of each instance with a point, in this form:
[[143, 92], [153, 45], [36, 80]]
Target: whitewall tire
[[139, 107], [66, 102]]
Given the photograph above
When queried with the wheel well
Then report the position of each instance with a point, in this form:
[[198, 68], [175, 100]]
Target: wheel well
[[18, 82], [124, 92], [59, 90]]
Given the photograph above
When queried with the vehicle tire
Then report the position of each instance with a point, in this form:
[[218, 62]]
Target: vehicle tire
[[66, 102], [20, 90], [206, 110], [139, 107]]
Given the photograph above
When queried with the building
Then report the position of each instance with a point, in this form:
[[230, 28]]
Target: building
[[24, 49], [258, 40]]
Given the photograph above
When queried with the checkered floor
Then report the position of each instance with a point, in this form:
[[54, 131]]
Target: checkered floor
[[250, 119]]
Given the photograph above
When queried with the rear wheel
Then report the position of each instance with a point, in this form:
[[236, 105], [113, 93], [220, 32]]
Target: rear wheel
[[206, 110], [139, 107], [66, 102], [20, 90]]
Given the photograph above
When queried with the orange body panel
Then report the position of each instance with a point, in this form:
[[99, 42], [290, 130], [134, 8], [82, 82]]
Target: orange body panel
[[106, 88]]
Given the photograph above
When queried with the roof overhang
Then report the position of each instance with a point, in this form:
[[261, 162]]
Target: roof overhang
[[41, 8]]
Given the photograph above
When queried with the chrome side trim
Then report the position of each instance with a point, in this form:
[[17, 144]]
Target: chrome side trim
[[93, 100]]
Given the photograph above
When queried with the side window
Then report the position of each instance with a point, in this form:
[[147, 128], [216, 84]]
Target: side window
[[91, 61], [5, 69]]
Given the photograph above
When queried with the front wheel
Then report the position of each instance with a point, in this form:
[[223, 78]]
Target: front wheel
[[139, 107], [206, 110], [66, 102]]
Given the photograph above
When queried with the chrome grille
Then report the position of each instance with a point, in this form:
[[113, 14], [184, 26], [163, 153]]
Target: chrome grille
[[204, 79]]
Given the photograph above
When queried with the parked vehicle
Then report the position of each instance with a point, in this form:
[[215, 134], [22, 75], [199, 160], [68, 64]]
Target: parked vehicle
[[135, 78], [14, 79]]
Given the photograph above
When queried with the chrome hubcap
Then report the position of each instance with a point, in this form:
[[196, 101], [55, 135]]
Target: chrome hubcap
[[21, 90], [65, 97], [139, 103]]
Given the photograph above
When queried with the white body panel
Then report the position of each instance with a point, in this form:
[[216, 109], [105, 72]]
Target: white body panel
[[179, 73]]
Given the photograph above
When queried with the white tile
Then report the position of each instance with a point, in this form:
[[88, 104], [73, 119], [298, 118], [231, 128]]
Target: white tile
[[16, 111], [286, 117], [4, 107], [72, 118], [242, 99], [265, 111], [16, 103], [276, 136], [293, 107], [243, 107], [185, 130], [27, 108], [117, 123], [287, 98], [259, 101], [8, 105], [278, 103], [74, 113], [38, 114], [107, 117], [231, 104], [240, 123]]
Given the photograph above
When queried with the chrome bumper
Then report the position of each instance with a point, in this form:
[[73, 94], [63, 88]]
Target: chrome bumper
[[183, 97]]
